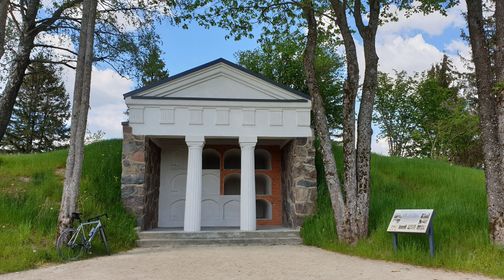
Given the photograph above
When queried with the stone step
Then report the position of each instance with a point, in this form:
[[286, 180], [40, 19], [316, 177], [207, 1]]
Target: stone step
[[269, 234], [217, 241]]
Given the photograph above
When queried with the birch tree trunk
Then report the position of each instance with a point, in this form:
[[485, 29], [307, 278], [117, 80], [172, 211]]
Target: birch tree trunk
[[80, 108], [321, 127], [490, 84], [4, 8]]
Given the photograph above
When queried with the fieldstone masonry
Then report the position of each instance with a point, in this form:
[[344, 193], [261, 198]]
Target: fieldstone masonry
[[299, 181], [140, 177]]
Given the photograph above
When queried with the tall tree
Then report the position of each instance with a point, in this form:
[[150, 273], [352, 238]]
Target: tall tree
[[29, 27], [354, 214], [149, 64], [42, 109], [488, 59], [350, 202], [394, 111], [428, 116], [281, 60], [80, 108], [44, 25]]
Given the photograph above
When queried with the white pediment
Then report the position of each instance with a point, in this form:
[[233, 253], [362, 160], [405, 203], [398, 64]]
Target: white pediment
[[218, 81], [219, 99]]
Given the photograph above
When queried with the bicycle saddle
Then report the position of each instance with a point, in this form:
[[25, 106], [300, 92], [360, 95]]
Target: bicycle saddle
[[76, 216]]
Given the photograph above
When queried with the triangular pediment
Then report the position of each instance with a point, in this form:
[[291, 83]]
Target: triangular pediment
[[219, 80]]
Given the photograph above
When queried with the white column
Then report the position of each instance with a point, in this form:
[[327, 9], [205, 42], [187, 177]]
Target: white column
[[192, 214], [247, 184]]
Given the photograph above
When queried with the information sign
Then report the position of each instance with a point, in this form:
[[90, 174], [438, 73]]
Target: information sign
[[410, 220]]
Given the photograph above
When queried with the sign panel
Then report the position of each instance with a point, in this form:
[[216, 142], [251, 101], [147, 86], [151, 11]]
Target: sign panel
[[410, 220]]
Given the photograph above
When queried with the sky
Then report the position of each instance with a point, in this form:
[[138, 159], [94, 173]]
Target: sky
[[412, 44]]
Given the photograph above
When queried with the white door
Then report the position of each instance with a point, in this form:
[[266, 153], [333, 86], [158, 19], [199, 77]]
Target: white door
[[216, 210]]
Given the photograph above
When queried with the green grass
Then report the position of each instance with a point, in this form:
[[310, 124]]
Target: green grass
[[30, 192], [460, 226]]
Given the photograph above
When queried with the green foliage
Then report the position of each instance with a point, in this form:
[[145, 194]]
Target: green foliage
[[30, 193], [429, 117], [119, 31], [446, 126], [394, 112], [41, 111], [458, 196], [147, 60], [282, 61]]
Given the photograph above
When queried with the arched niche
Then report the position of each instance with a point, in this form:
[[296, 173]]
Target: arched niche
[[232, 184], [263, 184], [263, 209], [232, 159], [262, 159], [211, 159]]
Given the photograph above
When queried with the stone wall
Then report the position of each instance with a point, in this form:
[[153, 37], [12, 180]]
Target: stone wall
[[133, 171], [140, 177], [299, 181], [151, 190]]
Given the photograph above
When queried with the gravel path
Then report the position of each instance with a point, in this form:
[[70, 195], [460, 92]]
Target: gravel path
[[240, 262]]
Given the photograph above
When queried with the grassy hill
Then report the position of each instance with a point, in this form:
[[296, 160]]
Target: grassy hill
[[460, 224], [30, 190]]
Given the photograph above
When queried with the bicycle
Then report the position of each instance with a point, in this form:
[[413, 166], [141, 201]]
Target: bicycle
[[72, 242]]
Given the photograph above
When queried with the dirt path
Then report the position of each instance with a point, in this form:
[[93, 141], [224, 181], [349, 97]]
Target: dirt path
[[253, 262]]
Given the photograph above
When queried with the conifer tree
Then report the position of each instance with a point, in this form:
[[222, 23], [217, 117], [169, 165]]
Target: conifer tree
[[41, 111], [149, 65]]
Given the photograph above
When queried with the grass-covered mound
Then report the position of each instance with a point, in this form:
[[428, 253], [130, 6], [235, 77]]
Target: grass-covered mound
[[460, 225], [30, 193]]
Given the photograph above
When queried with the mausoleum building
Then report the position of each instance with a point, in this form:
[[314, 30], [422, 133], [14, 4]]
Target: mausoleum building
[[218, 146]]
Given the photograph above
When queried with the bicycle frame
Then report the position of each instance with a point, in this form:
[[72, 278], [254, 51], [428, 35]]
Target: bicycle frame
[[97, 225]]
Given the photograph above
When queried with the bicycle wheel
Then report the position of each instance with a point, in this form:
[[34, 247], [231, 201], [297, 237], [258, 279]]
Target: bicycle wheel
[[104, 240], [67, 249]]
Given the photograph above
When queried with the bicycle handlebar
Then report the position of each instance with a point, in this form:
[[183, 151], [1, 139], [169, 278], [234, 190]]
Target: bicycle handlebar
[[98, 217]]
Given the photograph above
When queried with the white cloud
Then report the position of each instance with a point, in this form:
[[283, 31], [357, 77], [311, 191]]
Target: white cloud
[[411, 54], [379, 146], [433, 24], [107, 105], [461, 54], [402, 45]]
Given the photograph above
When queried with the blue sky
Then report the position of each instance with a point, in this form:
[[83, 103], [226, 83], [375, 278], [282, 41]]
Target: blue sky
[[412, 44], [187, 48]]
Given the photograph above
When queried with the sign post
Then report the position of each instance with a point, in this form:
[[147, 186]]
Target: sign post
[[416, 221]]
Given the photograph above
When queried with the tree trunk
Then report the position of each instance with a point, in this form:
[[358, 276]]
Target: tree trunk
[[365, 133], [19, 65], [499, 67], [321, 128], [80, 108], [364, 129], [4, 8], [490, 111]]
